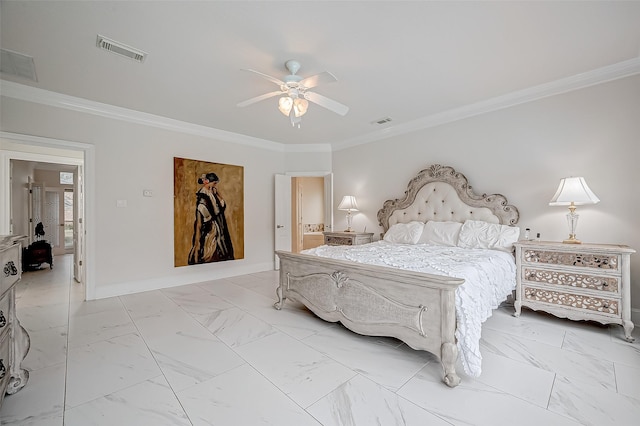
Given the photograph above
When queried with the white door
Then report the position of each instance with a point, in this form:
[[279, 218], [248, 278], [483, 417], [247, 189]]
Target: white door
[[67, 220], [282, 215], [328, 202], [52, 220], [78, 226]]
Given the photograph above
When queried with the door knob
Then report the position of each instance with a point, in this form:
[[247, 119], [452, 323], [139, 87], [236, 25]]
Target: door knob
[[279, 226]]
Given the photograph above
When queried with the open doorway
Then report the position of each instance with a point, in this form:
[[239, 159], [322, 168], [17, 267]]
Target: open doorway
[[43, 207], [307, 212], [287, 206]]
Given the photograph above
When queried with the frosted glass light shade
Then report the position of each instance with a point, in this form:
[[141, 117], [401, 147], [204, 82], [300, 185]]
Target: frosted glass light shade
[[284, 105], [300, 106]]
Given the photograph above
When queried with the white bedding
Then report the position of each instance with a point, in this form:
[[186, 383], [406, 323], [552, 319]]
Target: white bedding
[[490, 276]]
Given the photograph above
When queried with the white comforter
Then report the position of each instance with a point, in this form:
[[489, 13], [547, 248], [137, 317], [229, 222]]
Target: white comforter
[[490, 276]]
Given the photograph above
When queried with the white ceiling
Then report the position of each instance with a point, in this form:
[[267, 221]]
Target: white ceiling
[[411, 61]]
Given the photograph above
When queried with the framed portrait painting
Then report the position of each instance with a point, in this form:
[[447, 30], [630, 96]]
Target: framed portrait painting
[[208, 212]]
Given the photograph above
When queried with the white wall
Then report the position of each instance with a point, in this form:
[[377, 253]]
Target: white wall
[[305, 161], [134, 245], [522, 152], [312, 200]]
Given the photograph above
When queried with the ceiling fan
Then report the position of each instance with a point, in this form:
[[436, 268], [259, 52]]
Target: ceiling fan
[[294, 93]]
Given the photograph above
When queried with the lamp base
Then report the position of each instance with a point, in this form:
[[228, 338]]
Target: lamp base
[[572, 240]]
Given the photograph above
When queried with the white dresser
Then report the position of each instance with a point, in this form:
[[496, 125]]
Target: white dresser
[[14, 340], [575, 281]]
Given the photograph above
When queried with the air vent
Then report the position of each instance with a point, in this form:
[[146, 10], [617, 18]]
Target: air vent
[[120, 49], [380, 121], [14, 63]]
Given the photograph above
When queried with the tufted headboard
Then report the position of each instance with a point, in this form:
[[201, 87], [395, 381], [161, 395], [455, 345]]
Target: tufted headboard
[[440, 193]]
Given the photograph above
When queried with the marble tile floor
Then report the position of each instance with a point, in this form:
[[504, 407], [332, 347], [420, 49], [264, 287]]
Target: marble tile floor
[[218, 353]]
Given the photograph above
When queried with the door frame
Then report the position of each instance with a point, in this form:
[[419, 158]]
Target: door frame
[[48, 155]]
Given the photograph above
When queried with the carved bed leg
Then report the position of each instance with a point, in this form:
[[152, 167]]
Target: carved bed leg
[[280, 302], [449, 355], [278, 305]]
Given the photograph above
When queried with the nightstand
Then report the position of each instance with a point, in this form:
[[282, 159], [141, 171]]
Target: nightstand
[[347, 238], [575, 281]]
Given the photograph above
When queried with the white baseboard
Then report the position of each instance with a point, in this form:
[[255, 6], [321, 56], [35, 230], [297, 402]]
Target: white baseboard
[[140, 286]]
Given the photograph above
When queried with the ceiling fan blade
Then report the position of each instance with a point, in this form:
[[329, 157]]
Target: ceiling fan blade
[[259, 98], [327, 103], [268, 77], [315, 80]]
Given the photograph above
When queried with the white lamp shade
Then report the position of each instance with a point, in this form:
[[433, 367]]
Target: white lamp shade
[[573, 190], [348, 203]]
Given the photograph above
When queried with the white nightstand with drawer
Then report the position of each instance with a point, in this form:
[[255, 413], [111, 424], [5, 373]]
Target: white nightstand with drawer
[[347, 238], [575, 281]]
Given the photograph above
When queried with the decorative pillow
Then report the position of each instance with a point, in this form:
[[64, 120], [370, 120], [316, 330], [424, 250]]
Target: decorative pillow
[[404, 233], [440, 233], [478, 234]]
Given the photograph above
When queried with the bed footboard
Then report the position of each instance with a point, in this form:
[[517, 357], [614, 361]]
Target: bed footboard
[[415, 307]]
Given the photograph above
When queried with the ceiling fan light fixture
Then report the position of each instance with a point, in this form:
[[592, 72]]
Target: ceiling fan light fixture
[[294, 96], [287, 103]]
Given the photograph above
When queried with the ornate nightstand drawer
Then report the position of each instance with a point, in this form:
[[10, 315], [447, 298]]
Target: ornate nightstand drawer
[[11, 269], [609, 284], [599, 261], [4, 313], [338, 241], [347, 238], [578, 301]]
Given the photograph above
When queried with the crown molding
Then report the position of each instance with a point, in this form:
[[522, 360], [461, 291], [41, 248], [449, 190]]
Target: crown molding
[[564, 85], [58, 100], [568, 84]]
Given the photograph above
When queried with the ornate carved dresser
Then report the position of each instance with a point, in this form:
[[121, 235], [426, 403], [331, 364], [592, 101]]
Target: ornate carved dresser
[[14, 340], [575, 281]]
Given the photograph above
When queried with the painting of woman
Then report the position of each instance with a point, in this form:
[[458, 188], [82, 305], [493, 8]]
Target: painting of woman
[[211, 241], [208, 212]]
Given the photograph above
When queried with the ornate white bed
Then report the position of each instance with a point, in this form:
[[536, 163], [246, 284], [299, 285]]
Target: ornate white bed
[[416, 307]]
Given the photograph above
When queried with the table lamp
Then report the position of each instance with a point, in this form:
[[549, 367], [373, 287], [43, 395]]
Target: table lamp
[[349, 204], [572, 192]]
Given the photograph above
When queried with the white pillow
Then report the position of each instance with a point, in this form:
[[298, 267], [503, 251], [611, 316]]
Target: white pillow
[[404, 233], [440, 233], [478, 234]]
